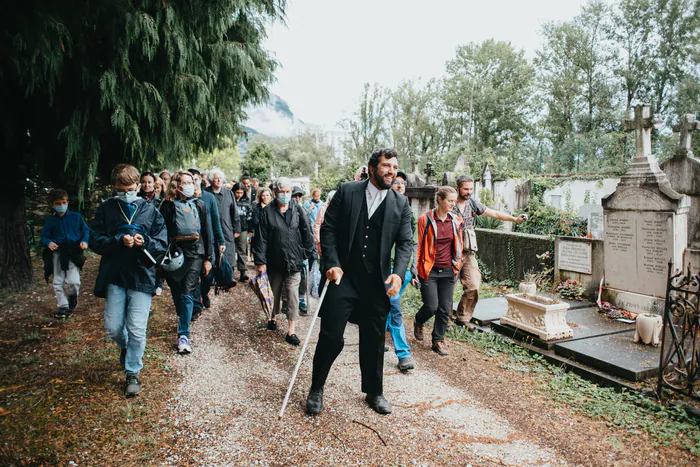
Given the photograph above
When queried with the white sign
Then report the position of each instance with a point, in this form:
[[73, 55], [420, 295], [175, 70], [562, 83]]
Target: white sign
[[574, 256]]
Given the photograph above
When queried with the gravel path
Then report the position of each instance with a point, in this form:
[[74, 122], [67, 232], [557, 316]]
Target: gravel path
[[233, 385]]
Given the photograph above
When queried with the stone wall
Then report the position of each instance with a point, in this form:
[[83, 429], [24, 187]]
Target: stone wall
[[498, 248]]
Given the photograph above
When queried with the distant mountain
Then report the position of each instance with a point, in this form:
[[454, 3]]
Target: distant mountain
[[275, 118]]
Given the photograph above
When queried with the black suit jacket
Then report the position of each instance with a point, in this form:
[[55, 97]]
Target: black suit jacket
[[340, 222]]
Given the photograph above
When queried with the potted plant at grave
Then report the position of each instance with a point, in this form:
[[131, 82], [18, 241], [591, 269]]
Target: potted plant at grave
[[529, 283], [542, 316], [571, 289]]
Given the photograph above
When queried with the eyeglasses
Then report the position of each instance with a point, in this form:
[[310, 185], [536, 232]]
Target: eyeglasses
[[399, 182]]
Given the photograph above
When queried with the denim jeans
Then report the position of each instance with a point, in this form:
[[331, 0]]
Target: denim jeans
[[394, 322], [126, 320]]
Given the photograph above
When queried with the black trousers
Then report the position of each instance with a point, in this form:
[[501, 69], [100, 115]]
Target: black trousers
[[436, 293], [363, 297]]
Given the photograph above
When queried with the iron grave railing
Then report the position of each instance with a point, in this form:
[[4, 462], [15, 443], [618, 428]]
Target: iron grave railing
[[679, 368]]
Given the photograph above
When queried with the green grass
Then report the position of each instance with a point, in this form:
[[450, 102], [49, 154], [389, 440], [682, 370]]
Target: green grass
[[627, 411]]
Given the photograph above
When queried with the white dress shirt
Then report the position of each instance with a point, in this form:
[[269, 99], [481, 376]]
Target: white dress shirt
[[375, 197]]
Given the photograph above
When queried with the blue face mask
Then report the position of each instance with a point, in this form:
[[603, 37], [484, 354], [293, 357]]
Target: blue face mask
[[284, 198], [127, 197], [61, 209]]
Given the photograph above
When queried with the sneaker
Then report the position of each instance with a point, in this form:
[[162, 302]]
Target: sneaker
[[314, 402], [183, 345], [63, 312], [122, 357], [133, 386], [206, 302], [440, 348], [159, 291], [272, 325], [303, 309], [72, 302], [417, 330], [406, 364], [292, 339]]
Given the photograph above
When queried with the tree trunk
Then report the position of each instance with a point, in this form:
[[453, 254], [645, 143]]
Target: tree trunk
[[15, 260]]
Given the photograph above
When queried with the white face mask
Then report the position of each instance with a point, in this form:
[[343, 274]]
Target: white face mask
[[188, 190], [127, 196]]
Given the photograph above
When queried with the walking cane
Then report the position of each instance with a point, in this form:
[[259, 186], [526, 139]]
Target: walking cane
[[308, 284], [306, 343]]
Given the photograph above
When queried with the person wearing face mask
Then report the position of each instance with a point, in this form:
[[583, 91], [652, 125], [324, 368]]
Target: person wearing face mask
[[65, 235], [125, 226], [188, 228], [284, 240]]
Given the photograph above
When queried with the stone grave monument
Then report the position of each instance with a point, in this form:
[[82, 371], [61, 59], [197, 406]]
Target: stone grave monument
[[593, 213], [683, 171], [645, 227]]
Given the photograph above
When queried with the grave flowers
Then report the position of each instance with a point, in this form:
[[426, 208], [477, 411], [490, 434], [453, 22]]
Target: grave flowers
[[571, 289]]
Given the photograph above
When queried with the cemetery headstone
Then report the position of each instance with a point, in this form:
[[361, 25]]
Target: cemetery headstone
[[596, 223], [645, 227], [487, 177], [683, 172]]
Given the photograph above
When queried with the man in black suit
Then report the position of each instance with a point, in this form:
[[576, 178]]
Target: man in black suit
[[364, 221]]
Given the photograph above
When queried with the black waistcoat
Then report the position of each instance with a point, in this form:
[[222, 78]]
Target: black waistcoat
[[364, 255]]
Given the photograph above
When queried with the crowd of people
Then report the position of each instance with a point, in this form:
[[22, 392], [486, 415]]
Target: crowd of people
[[180, 228]]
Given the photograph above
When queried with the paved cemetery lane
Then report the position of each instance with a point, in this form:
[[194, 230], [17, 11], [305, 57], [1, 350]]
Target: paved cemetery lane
[[459, 410]]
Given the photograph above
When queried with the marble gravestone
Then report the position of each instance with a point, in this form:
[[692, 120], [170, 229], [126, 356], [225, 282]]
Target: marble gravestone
[[645, 227], [593, 213], [683, 172]]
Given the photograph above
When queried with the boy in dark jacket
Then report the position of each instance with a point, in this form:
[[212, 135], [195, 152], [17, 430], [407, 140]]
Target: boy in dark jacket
[[196, 248], [124, 229], [65, 234]]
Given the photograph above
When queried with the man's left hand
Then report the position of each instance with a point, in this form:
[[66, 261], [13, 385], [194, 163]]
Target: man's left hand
[[207, 267], [83, 246], [395, 281], [236, 235], [222, 248]]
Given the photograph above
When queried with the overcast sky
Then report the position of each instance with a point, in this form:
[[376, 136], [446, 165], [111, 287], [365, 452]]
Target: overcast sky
[[330, 48]]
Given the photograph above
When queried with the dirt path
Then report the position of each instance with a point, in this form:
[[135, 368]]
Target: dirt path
[[232, 387]]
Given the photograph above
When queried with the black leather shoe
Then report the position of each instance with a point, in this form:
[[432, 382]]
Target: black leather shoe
[[379, 404], [272, 325], [314, 403], [292, 339]]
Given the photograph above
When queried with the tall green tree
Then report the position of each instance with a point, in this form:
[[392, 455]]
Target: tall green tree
[[85, 85], [489, 85], [367, 127], [258, 160]]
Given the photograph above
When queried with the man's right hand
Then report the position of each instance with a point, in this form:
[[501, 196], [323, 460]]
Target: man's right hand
[[53, 246], [261, 268], [128, 241], [333, 274]]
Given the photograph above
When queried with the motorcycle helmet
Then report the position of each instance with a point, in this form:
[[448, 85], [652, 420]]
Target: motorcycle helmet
[[173, 260]]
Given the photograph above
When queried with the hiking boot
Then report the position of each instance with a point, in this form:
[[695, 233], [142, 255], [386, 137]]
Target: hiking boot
[[122, 357], [63, 312], [440, 348], [417, 330], [133, 386], [206, 302], [272, 325], [183, 345], [314, 402], [72, 302], [292, 339], [195, 316], [379, 404], [406, 364]]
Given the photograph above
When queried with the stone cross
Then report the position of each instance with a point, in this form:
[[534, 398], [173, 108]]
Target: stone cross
[[687, 125], [642, 124]]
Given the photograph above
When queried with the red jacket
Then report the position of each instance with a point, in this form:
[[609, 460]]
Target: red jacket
[[427, 244]]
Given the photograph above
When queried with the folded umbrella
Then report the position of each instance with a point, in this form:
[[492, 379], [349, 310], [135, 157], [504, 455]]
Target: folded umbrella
[[263, 290]]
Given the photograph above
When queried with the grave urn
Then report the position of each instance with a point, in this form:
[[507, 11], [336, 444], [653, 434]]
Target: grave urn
[[542, 316], [527, 287], [648, 329]]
